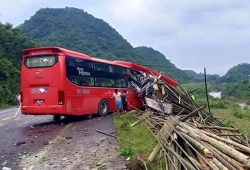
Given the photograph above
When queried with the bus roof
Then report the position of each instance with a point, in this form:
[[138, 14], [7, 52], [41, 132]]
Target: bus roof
[[131, 65]]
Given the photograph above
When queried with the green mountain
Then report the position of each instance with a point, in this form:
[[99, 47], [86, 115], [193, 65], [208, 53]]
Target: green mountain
[[193, 74], [200, 76], [11, 46], [236, 73], [159, 62], [77, 30]]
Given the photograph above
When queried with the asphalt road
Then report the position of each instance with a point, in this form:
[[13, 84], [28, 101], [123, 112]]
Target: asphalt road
[[37, 142]]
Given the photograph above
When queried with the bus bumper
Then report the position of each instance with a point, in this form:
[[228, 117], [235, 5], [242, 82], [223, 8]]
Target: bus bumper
[[42, 110]]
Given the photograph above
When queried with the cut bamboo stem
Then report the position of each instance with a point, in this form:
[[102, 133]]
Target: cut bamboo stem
[[218, 127], [246, 149]]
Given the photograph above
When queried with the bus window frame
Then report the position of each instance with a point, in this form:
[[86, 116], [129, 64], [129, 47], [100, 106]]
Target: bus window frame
[[25, 59], [66, 72], [97, 70]]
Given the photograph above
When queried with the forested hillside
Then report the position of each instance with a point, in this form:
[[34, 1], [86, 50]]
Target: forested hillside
[[159, 62], [240, 90], [199, 77], [236, 73], [11, 46], [77, 30]]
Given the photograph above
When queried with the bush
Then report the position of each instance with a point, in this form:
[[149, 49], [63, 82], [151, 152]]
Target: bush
[[127, 151], [238, 114], [228, 123]]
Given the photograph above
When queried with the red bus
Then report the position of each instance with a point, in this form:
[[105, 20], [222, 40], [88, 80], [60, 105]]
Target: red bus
[[57, 81]]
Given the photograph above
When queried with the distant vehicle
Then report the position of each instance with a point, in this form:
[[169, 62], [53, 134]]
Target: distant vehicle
[[61, 82]]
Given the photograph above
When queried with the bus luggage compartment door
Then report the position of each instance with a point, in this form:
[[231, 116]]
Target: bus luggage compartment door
[[40, 96]]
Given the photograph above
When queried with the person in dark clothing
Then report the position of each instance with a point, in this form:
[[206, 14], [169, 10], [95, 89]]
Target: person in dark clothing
[[124, 97], [18, 99]]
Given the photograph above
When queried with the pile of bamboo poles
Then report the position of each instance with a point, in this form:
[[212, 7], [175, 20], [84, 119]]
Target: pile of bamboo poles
[[189, 136]]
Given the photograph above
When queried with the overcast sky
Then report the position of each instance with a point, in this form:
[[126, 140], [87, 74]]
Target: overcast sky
[[193, 34]]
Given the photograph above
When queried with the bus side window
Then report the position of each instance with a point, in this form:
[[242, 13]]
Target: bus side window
[[79, 71], [121, 77], [104, 75]]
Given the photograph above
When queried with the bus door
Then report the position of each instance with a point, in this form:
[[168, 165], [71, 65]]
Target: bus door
[[40, 81]]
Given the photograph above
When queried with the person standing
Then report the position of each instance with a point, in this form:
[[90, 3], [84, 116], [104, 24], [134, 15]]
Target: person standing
[[18, 99], [118, 101], [124, 97]]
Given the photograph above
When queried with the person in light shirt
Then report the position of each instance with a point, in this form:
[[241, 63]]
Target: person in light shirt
[[118, 101]]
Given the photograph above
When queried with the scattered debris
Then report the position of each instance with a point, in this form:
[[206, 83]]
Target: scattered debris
[[113, 136], [6, 168], [122, 125], [19, 143], [45, 143], [68, 137], [189, 136]]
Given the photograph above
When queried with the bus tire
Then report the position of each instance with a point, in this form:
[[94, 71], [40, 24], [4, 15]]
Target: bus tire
[[57, 118], [103, 107]]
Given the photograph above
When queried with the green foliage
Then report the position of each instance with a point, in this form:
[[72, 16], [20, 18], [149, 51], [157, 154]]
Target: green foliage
[[237, 113], [156, 59], [199, 88], [127, 151], [77, 30], [239, 72], [240, 90], [228, 123], [218, 103], [199, 77], [11, 46]]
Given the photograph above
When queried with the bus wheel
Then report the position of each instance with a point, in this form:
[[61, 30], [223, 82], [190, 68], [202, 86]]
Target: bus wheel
[[89, 116], [103, 108], [57, 118]]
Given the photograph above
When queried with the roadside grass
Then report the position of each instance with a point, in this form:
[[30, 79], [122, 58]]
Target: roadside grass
[[5, 106], [234, 116], [142, 139], [230, 113]]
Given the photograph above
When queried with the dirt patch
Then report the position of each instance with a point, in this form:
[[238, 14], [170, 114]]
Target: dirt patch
[[79, 146]]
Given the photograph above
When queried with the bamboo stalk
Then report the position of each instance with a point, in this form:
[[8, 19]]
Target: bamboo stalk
[[229, 134], [181, 112], [195, 162], [219, 164], [226, 149], [218, 127], [114, 136], [189, 151], [229, 160], [166, 161], [186, 163], [246, 149], [197, 145], [193, 113], [218, 157], [212, 165], [203, 163], [247, 141]]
